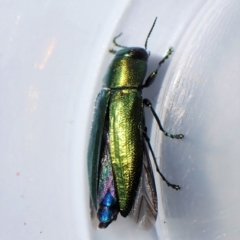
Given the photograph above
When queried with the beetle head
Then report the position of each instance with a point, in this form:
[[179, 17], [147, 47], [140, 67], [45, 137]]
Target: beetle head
[[133, 52]]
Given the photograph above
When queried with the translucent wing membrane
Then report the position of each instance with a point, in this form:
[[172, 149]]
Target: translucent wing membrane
[[106, 183], [107, 199], [145, 209]]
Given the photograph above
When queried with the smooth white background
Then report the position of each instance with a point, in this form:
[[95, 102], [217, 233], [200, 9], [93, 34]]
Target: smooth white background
[[53, 55]]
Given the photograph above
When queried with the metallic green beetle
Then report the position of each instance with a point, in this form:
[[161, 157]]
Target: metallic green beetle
[[119, 167]]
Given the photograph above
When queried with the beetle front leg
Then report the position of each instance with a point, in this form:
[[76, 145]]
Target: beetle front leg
[[148, 104], [113, 51], [153, 74]]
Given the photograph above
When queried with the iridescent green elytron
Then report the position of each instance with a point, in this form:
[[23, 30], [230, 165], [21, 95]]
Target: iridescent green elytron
[[119, 167]]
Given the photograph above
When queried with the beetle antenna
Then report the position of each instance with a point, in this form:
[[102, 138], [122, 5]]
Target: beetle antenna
[[150, 33], [116, 44]]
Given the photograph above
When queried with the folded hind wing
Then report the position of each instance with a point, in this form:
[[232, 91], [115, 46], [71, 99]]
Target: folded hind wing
[[145, 208]]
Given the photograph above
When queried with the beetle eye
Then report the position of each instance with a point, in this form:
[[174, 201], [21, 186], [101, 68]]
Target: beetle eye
[[136, 53], [131, 53]]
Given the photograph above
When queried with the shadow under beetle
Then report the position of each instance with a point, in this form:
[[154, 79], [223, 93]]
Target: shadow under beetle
[[119, 168]]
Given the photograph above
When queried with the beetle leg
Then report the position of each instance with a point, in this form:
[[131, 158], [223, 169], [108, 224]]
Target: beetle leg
[[174, 186], [113, 51], [147, 103], [153, 74]]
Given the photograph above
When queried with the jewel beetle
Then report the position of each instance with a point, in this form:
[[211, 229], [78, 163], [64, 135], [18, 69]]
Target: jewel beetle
[[120, 173]]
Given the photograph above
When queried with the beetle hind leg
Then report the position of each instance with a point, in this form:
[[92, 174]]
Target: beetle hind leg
[[174, 186]]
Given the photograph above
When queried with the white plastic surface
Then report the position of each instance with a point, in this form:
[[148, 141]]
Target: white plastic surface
[[53, 55]]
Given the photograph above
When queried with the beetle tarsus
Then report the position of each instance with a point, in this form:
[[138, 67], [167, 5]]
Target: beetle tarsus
[[176, 136], [179, 136], [176, 187], [113, 51], [169, 52]]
